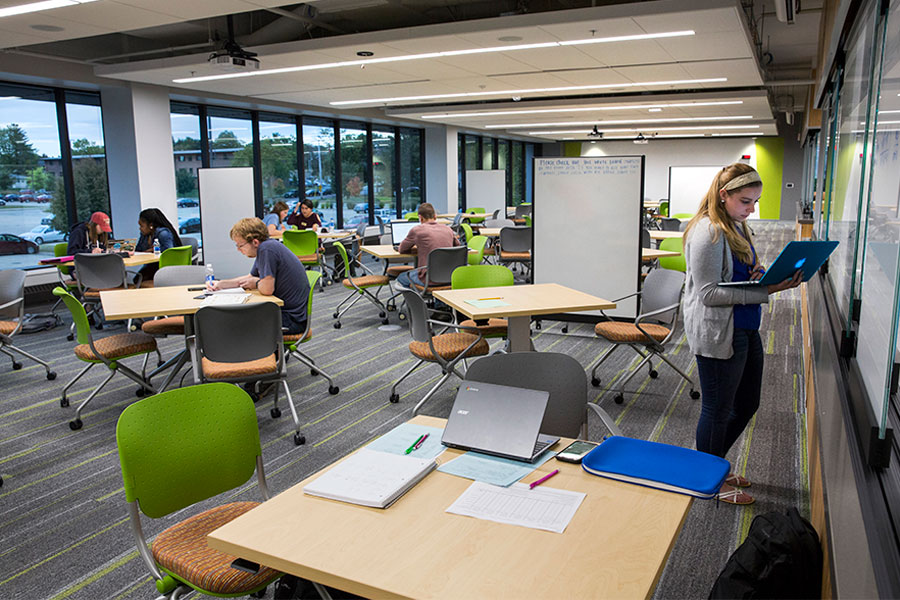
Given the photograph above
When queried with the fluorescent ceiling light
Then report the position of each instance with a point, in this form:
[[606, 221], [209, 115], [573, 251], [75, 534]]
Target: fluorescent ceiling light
[[568, 88], [538, 111], [885, 112], [31, 7], [10, 98], [618, 122], [622, 129], [444, 54]]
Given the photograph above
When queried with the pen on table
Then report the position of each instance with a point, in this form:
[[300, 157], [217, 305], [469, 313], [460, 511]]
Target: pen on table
[[542, 479], [420, 442], [413, 445], [497, 298]]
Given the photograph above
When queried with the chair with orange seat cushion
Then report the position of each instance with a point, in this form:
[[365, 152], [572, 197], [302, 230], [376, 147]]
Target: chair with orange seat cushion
[[292, 341], [445, 349], [360, 288], [649, 333], [12, 315], [98, 272]]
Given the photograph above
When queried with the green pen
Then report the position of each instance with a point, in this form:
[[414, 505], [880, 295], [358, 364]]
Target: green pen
[[413, 447]]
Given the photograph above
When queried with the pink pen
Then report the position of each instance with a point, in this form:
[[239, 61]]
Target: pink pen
[[543, 479], [420, 442]]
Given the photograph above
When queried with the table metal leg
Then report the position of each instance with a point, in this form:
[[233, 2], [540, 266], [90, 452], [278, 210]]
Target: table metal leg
[[519, 334]]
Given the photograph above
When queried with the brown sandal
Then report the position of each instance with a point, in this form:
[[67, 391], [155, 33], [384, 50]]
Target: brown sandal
[[734, 496], [735, 480]]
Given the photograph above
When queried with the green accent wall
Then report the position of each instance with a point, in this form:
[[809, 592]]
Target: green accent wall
[[847, 153], [571, 149], [770, 165]]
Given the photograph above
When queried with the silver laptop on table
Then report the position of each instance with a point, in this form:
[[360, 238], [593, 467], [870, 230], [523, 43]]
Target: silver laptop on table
[[399, 229], [499, 420]]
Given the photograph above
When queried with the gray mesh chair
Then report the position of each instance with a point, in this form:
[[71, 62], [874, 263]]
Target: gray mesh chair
[[97, 272], [441, 264], [650, 331], [242, 343], [559, 374], [522, 210], [445, 349], [497, 223], [670, 224], [292, 341], [12, 312], [515, 247], [195, 250]]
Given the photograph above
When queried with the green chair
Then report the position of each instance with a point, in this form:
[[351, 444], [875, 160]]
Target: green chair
[[478, 276], [292, 341], [305, 246], [683, 216], [360, 287], [177, 449], [468, 231], [411, 216], [528, 221], [664, 208], [109, 351], [176, 256], [477, 244], [476, 210], [66, 278], [674, 263]]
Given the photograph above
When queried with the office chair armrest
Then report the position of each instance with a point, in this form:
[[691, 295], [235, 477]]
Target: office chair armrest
[[658, 311], [139, 279], [628, 296], [447, 326], [11, 303]]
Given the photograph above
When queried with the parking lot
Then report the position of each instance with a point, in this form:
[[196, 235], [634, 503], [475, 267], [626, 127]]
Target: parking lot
[[17, 218]]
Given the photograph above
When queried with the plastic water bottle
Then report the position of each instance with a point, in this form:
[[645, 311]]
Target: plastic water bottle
[[155, 245], [209, 274], [117, 247]]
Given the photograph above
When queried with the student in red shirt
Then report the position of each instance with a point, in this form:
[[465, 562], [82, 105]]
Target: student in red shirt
[[424, 237]]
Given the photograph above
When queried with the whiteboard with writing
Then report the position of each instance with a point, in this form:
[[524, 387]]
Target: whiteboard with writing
[[587, 225], [226, 196]]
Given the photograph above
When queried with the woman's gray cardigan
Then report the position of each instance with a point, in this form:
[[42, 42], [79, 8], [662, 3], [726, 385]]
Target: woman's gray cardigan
[[708, 308]]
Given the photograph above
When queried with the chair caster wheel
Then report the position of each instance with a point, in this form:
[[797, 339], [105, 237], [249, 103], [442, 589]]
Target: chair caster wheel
[[335, 315], [17, 366], [275, 412], [382, 314], [565, 329], [695, 395], [259, 593], [392, 309], [99, 326], [401, 316], [333, 389], [385, 321], [140, 392], [51, 375], [70, 337], [537, 325], [654, 374], [313, 372], [618, 398], [75, 425], [595, 382], [337, 325], [395, 398], [299, 439], [253, 396], [64, 402]]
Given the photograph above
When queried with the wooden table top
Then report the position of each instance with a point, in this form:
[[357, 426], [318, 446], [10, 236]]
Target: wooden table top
[[615, 546], [648, 254], [656, 234], [523, 300], [135, 260], [489, 231], [159, 302], [384, 251]]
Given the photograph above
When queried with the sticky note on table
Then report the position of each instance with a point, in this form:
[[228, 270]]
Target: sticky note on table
[[488, 303]]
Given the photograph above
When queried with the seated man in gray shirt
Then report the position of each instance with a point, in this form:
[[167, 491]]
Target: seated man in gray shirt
[[276, 272], [425, 237]]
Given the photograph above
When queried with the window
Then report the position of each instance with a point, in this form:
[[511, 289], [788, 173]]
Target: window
[[278, 160], [487, 153], [383, 152], [503, 163], [318, 153], [186, 138], [230, 138], [518, 173], [410, 170], [354, 176]]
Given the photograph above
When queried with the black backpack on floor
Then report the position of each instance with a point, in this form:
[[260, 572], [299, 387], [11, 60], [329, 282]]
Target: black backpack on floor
[[40, 322], [781, 558]]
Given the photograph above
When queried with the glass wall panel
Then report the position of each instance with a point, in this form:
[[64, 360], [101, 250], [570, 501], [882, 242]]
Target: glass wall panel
[[849, 162], [318, 153], [518, 174], [461, 170], [410, 169], [185, 121], [354, 176], [383, 174], [878, 325], [33, 214], [88, 154], [278, 160], [230, 138], [529, 172], [473, 158], [487, 153], [504, 163]]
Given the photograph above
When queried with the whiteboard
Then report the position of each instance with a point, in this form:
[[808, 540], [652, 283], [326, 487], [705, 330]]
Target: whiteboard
[[688, 187], [226, 196], [487, 189], [587, 226]]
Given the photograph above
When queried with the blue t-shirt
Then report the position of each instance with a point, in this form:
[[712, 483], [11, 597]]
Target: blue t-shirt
[[746, 316], [273, 219], [291, 283], [163, 234]]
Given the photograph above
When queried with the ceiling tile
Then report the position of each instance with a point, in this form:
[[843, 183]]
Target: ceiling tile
[[712, 20], [628, 53], [717, 45]]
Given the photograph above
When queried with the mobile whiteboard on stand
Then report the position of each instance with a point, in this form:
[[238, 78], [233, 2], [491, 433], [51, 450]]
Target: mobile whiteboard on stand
[[226, 196], [688, 186], [487, 190], [587, 226]]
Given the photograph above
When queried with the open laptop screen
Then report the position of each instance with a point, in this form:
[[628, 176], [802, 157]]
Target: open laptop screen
[[399, 229]]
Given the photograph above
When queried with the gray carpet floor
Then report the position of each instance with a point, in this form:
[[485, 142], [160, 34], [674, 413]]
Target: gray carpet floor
[[64, 532]]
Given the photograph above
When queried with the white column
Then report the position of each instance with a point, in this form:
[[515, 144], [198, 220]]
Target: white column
[[441, 165], [138, 154]]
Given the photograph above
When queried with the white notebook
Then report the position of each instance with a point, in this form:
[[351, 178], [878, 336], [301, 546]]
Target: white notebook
[[222, 300], [371, 478]]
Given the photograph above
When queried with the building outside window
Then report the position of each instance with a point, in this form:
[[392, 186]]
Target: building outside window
[[185, 120], [354, 176], [318, 161]]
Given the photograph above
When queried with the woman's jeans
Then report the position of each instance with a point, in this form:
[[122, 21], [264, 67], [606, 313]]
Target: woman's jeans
[[730, 391]]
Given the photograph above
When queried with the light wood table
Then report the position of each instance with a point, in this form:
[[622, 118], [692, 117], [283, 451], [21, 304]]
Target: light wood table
[[615, 546], [135, 260], [656, 234], [522, 301], [489, 231], [145, 303], [385, 252], [648, 254]]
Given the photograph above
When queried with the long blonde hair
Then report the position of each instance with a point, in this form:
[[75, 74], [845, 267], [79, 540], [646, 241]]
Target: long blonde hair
[[711, 206]]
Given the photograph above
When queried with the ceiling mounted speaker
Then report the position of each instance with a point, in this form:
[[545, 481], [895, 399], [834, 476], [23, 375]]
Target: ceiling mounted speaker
[[786, 10]]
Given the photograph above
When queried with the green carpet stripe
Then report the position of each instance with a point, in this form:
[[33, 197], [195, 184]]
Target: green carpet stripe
[[747, 515], [58, 473], [64, 551], [654, 437], [94, 577], [140, 583], [631, 402], [796, 392], [353, 424], [770, 342], [111, 494]]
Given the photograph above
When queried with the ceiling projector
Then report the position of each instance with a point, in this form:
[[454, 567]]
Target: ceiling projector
[[234, 58]]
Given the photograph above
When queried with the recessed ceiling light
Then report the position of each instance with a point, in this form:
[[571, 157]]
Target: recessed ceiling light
[[31, 7], [617, 122], [509, 38], [443, 54], [654, 110], [52, 28], [536, 111], [568, 88]]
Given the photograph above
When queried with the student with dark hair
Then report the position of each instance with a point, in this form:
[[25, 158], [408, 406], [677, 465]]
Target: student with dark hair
[[154, 225], [304, 217]]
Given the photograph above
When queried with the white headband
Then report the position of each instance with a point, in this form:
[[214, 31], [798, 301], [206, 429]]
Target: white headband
[[742, 180]]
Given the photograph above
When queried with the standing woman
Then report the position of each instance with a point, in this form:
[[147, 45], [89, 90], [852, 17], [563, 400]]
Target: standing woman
[[275, 220], [722, 323], [155, 226]]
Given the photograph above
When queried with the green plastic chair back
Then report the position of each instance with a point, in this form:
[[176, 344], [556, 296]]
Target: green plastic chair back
[[313, 277], [62, 249], [475, 209], [468, 231], [343, 252], [683, 216], [476, 276], [79, 316], [176, 256], [664, 208], [527, 220], [674, 263], [301, 243], [183, 446], [411, 216], [476, 243]]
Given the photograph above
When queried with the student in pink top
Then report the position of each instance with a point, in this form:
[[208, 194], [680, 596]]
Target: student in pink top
[[424, 237]]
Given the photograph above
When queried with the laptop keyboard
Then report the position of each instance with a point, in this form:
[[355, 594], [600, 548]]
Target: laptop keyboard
[[540, 446]]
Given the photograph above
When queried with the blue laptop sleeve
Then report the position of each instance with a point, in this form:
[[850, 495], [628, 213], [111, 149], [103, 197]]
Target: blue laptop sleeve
[[656, 465]]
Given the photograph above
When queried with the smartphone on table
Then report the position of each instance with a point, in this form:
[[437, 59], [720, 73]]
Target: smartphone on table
[[575, 451]]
